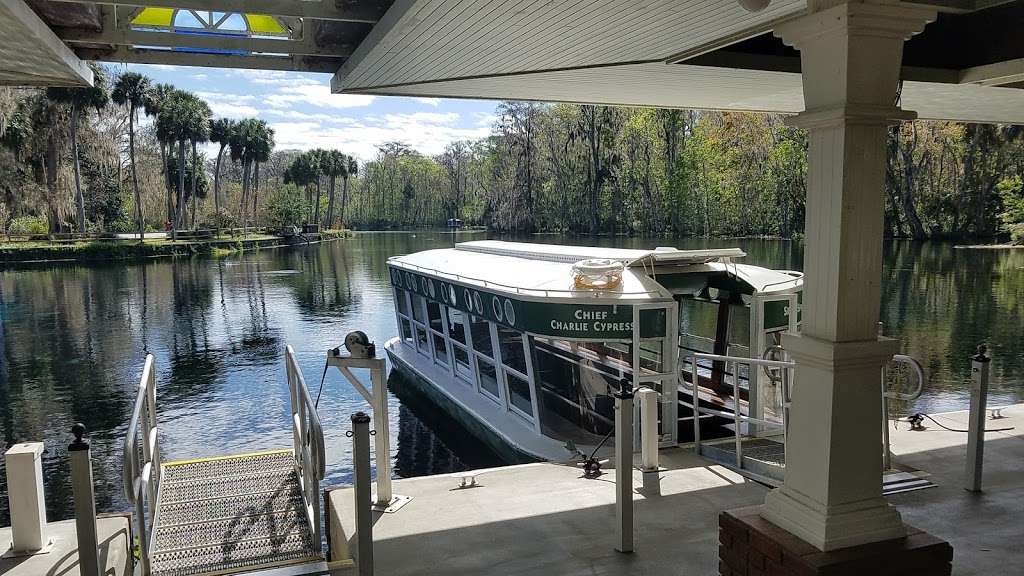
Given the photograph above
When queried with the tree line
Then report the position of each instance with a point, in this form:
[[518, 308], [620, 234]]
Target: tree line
[[563, 168]]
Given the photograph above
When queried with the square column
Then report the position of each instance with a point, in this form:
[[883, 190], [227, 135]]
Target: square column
[[851, 57]]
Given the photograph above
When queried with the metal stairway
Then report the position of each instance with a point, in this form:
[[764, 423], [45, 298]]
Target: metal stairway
[[246, 513]]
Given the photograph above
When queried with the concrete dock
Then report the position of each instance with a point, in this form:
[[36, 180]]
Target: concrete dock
[[548, 519], [115, 550]]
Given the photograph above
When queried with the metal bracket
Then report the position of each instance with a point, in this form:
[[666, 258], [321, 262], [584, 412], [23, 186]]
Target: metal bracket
[[396, 504]]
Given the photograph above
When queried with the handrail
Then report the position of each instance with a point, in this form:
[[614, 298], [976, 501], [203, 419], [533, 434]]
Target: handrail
[[308, 443], [141, 478]]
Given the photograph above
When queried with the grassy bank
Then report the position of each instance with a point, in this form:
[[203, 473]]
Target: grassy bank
[[27, 251]]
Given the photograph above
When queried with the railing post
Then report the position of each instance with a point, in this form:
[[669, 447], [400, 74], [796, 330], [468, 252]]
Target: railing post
[[624, 466], [648, 401], [85, 503], [976, 421], [361, 491], [25, 498], [695, 381]]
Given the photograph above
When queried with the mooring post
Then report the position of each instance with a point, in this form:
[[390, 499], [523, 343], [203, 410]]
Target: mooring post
[[381, 440], [624, 466], [976, 421], [85, 503], [25, 498], [647, 398], [364, 520]]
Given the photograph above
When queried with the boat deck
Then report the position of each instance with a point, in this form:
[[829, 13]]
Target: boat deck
[[231, 514]]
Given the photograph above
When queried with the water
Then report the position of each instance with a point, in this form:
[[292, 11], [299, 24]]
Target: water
[[73, 339]]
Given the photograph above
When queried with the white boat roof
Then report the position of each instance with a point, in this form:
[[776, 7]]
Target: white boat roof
[[545, 270]]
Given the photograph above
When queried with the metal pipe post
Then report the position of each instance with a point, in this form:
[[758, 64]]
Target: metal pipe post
[[624, 466], [648, 401], [364, 520], [976, 421], [85, 503]]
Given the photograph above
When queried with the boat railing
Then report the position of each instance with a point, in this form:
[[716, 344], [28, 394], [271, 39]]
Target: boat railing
[[544, 292], [308, 444], [141, 468], [786, 368]]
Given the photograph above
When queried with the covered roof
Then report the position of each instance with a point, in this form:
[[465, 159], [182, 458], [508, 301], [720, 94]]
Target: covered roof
[[712, 54]]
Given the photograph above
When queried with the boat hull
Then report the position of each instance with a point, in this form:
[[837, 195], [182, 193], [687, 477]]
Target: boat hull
[[411, 378]]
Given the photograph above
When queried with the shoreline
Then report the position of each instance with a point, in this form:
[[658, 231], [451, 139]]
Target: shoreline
[[988, 247], [123, 250]]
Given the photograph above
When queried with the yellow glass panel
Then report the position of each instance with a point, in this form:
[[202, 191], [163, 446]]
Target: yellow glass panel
[[260, 24], [154, 17]]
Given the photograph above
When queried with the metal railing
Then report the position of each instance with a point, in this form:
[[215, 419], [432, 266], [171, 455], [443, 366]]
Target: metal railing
[[738, 418], [141, 472], [308, 444]]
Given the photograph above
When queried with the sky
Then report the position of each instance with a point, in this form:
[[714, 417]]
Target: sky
[[304, 114]]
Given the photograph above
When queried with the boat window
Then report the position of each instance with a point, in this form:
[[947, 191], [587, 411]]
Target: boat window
[[456, 330], [421, 339], [406, 331], [403, 306], [417, 308], [650, 356], [575, 386], [480, 330], [434, 314], [519, 394], [488, 377], [462, 362], [512, 352], [440, 349]]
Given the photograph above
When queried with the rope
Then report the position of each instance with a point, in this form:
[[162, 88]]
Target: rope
[[915, 422], [316, 405]]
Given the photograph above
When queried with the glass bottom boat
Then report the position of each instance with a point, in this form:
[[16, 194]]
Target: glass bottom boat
[[524, 344]]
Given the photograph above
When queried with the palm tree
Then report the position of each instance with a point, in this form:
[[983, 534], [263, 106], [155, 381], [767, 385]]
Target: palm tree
[[220, 133], [334, 164], [351, 169], [304, 171], [321, 160], [156, 99], [95, 96], [262, 145], [199, 131], [131, 90], [250, 143]]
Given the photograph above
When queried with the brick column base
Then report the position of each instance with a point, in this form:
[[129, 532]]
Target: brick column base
[[752, 546]]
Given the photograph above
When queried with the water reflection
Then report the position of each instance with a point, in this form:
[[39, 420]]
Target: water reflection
[[73, 339]]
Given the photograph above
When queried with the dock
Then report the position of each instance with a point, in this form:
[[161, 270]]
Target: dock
[[548, 519]]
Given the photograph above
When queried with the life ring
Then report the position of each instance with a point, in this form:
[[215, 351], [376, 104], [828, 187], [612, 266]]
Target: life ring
[[597, 273]]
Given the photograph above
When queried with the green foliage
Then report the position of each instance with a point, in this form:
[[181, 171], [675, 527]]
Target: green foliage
[[1011, 190], [121, 227], [221, 219], [202, 182], [286, 207], [29, 225]]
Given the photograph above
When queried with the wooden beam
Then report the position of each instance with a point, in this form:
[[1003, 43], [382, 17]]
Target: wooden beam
[[23, 33], [322, 64], [996, 74], [305, 47], [368, 11]]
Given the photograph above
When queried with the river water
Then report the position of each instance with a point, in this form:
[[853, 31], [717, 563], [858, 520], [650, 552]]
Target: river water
[[73, 339]]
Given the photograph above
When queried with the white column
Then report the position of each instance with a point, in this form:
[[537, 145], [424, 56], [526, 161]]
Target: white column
[[25, 497], [850, 55]]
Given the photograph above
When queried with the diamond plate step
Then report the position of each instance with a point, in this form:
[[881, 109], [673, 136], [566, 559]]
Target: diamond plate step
[[230, 514]]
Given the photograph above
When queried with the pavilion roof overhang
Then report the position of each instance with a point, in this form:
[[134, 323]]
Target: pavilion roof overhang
[[712, 54]]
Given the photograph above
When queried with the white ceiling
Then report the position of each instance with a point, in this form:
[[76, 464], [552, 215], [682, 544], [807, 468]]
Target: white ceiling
[[425, 40], [30, 53]]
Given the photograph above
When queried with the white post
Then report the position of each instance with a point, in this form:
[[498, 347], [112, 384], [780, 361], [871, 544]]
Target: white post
[[624, 466], [648, 401], [851, 55], [381, 438], [25, 498], [85, 504], [976, 422]]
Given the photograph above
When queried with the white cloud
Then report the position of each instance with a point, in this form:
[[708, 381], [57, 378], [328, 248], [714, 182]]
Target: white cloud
[[430, 101], [223, 109], [297, 115], [427, 132], [318, 95], [200, 77]]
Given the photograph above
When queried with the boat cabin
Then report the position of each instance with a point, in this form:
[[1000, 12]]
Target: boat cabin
[[525, 343]]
